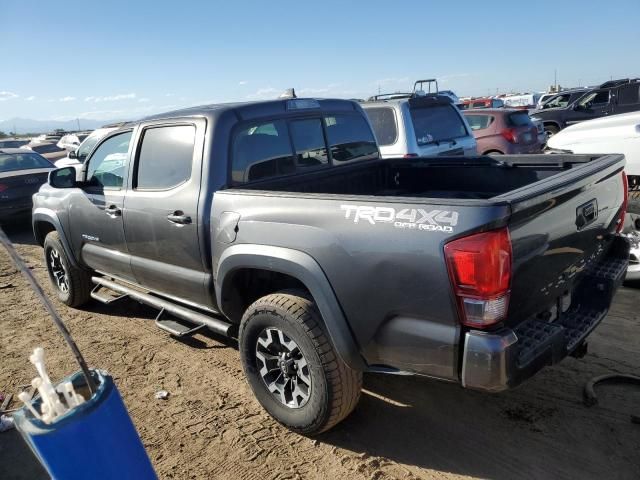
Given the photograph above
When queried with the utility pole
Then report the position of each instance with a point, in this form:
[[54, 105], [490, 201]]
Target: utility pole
[[78, 121], [555, 78]]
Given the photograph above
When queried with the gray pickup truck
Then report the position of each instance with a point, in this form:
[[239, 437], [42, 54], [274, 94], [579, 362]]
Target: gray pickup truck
[[278, 224]]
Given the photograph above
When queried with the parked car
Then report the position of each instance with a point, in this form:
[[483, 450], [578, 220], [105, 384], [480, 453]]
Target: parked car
[[278, 223], [419, 126], [562, 99], [12, 143], [481, 103], [21, 174], [503, 131], [72, 141], [611, 134], [610, 98], [50, 151], [76, 157]]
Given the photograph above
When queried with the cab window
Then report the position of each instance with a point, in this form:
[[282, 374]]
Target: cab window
[[261, 150]]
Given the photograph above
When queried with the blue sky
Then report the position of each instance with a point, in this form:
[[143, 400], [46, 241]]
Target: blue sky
[[119, 59]]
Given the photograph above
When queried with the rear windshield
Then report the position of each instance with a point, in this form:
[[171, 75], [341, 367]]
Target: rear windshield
[[383, 121], [273, 148], [437, 124], [520, 119], [22, 161]]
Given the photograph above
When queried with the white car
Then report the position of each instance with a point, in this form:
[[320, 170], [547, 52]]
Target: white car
[[76, 157], [72, 141], [614, 134]]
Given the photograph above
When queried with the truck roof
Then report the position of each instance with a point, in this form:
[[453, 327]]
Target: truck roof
[[249, 110]]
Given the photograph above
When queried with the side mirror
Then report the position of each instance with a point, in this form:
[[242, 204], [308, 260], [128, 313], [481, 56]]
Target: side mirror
[[63, 178], [576, 106], [73, 154]]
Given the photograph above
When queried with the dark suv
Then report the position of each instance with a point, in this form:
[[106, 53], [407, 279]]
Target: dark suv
[[610, 98]]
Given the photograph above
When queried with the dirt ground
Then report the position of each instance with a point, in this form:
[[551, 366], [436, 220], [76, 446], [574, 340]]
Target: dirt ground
[[404, 427]]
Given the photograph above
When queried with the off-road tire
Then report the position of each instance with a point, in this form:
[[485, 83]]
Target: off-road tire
[[335, 388], [78, 280]]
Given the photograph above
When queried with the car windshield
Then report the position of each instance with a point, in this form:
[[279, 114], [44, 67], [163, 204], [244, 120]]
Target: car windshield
[[437, 123], [10, 162]]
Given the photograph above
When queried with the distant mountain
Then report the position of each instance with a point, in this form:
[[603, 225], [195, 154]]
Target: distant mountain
[[27, 125]]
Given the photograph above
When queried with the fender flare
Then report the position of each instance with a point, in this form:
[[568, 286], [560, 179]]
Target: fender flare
[[304, 268], [46, 215]]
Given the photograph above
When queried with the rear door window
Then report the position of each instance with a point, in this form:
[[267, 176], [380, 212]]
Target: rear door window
[[350, 139], [479, 122], [436, 124], [261, 150], [383, 121], [165, 157], [309, 144]]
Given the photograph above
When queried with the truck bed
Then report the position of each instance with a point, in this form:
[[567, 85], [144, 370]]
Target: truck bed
[[453, 178], [389, 272]]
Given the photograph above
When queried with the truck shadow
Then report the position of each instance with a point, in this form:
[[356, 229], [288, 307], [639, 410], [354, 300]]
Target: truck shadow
[[525, 433]]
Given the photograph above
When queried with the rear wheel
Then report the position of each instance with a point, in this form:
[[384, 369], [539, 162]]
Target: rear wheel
[[291, 365], [72, 284]]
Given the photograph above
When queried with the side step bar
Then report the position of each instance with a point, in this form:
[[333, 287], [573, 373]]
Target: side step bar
[[183, 313]]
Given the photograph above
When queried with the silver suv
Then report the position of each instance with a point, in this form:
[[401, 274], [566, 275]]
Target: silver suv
[[419, 126]]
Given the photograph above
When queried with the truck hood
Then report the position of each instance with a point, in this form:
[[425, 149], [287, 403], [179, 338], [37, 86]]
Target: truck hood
[[614, 134]]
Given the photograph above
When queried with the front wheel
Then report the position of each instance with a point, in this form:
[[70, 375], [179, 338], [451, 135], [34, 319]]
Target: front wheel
[[292, 366], [72, 284]]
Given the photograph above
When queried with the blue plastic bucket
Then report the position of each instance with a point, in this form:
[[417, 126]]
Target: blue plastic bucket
[[95, 440]]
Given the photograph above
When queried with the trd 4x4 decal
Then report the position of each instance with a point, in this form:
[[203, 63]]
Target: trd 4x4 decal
[[412, 218]]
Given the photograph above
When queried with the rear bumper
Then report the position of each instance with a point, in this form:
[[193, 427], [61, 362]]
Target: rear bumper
[[496, 361]]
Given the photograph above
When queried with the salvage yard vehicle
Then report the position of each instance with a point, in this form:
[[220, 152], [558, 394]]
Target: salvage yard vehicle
[[21, 174], [419, 126], [503, 130], [610, 98], [278, 223]]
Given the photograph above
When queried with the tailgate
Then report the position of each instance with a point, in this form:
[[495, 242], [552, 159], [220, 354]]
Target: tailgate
[[558, 233]]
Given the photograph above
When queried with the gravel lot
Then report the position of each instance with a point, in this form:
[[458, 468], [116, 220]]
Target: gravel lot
[[404, 427]]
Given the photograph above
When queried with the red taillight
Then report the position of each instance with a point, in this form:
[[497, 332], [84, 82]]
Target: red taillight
[[510, 135], [480, 272], [3, 187], [410, 155], [625, 202]]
